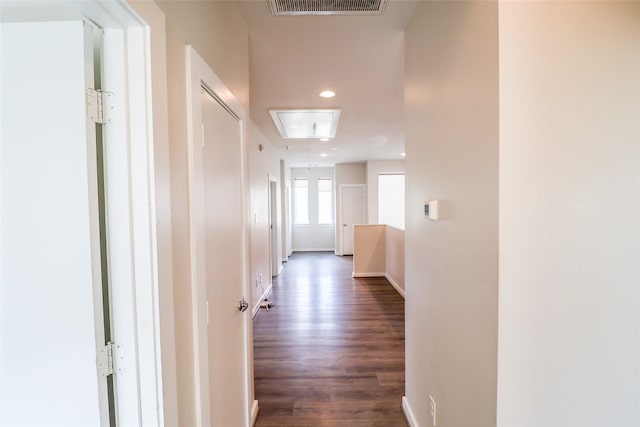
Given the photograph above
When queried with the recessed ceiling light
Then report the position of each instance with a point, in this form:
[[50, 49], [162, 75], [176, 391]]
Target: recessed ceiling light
[[323, 155], [403, 154], [324, 139], [327, 94]]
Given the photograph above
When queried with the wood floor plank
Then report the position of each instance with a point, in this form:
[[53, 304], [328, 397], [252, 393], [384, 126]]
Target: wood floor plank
[[331, 350]]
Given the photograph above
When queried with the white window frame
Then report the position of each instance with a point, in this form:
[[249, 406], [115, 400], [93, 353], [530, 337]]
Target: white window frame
[[380, 203], [331, 201], [295, 203]]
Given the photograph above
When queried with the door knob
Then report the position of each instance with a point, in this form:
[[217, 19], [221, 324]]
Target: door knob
[[243, 305]]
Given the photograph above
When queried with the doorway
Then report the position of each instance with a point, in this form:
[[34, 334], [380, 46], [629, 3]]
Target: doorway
[[273, 228], [352, 211], [218, 248], [87, 191], [51, 276]]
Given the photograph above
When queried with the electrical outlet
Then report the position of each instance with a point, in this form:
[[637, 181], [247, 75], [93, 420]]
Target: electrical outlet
[[432, 409]]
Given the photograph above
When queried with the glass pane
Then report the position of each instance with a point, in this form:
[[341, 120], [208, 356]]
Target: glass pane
[[324, 208], [301, 201], [324, 184], [325, 205], [391, 200]]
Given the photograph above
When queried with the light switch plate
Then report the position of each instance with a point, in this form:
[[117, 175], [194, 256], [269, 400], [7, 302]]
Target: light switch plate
[[433, 210]]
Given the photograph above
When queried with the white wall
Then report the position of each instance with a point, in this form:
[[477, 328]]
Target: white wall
[[214, 29], [451, 280], [569, 209], [569, 351], [369, 250], [374, 168], [379, 252], [263, 165], [346, 173], [394, 257], [313, 237]]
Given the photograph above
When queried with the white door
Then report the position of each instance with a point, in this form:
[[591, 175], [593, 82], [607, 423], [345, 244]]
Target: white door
[[224, 252], [273, 225], [352, 212], [50, 294]]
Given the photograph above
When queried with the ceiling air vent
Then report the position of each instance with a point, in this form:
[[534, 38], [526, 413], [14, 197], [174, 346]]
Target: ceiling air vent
[[327, 7]]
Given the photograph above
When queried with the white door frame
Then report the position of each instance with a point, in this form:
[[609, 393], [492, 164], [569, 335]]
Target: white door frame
[[200, 74], [339, 220], [134, 259], [274, 254], [136, 144]]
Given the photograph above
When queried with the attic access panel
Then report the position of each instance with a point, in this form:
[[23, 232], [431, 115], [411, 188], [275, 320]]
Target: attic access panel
[[327, 7], [310, 124]]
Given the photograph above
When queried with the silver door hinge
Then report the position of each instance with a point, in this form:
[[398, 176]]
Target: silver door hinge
[[111, 359], [99, 106]]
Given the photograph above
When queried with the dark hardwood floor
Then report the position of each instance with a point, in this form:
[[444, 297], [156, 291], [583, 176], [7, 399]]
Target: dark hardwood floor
[[331, 350]]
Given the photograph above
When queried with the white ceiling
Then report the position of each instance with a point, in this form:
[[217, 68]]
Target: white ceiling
[[293, 58]]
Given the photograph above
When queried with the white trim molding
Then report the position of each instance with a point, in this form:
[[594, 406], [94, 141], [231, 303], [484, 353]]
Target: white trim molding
[[254, 412], [314, 250], [408, 413], [382, 274], [395, 285], [264, 295]]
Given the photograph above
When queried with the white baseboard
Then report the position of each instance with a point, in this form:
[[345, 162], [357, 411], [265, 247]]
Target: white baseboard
[[368, 274], [408, 413], [254, 412], [280, 269], [315, 250], [266, 293], [386, 276], [395, 285]]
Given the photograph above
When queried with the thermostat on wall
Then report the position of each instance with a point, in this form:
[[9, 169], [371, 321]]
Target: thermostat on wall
[[431, 210]]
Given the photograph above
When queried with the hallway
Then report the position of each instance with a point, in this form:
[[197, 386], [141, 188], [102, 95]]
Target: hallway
[[331, 350]]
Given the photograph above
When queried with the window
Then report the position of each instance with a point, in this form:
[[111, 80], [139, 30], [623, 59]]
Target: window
[[391, 200], [301, 201], [325, 205]]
